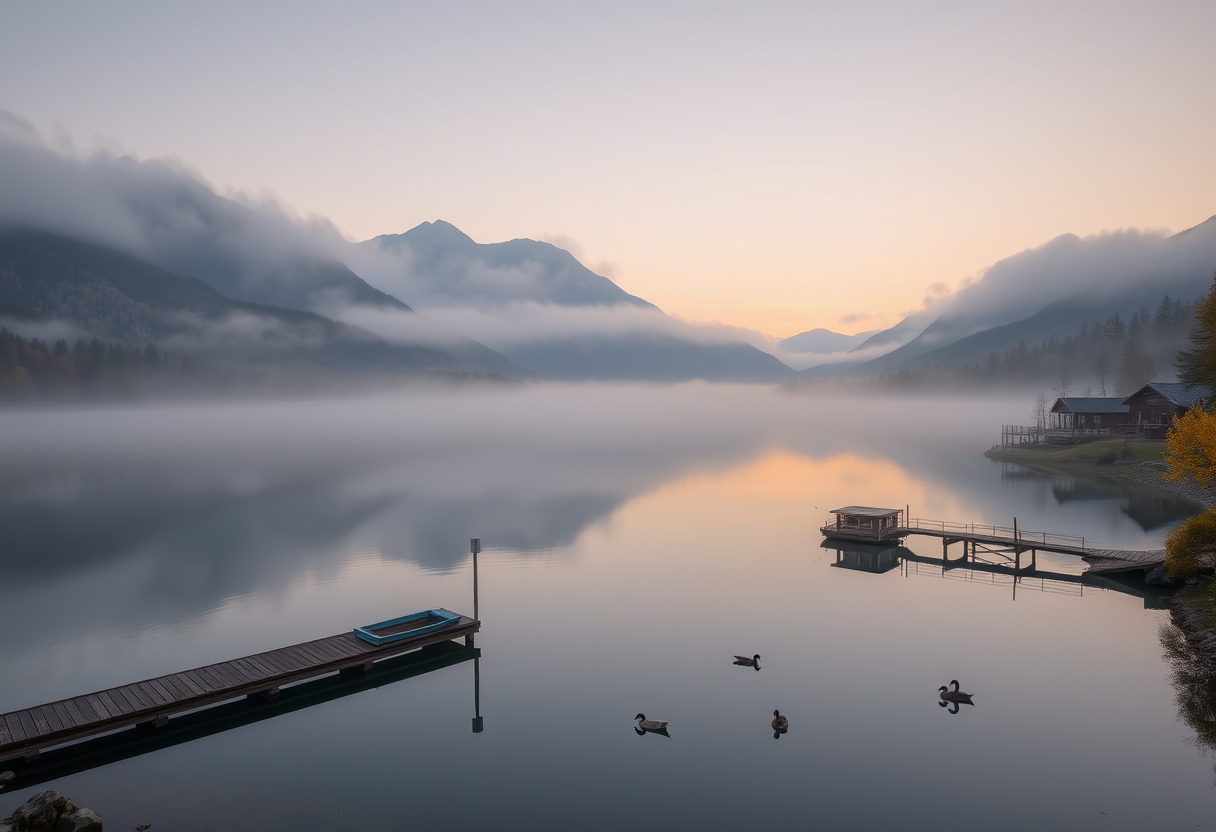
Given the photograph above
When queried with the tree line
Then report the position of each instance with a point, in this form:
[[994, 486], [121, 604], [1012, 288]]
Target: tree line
[[1105, 358], [33, 367]]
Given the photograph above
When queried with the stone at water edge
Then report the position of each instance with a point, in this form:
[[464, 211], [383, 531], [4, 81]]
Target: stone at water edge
[[82, 820], [50, 811], [1158, 576]]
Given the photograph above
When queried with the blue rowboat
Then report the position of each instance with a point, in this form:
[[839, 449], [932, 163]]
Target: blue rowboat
[[407, 626]]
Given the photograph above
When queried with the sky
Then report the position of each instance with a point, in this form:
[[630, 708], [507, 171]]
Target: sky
[[776, 167]]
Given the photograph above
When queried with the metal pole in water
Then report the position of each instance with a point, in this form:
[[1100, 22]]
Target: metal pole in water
[[474, 548]]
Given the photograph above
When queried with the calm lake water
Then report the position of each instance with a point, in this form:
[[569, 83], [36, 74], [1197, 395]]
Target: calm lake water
[[634, 540]]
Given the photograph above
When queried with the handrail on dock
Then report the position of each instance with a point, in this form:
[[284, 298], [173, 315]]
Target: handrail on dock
[[1020, 536]]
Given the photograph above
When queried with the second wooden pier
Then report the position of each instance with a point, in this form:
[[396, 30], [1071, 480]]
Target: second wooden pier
[[27, 732]]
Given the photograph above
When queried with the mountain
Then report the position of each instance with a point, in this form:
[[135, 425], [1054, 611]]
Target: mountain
[[823, 341], [1050, 291], [543, 309], [106, 293], [437, 264]]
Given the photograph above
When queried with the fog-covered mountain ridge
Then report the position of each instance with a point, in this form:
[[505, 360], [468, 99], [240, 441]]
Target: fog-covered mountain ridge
[[1050, 291], [441, 265], [77, 289]]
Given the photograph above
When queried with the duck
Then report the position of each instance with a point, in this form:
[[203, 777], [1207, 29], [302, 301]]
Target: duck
[[657, 726], [956, 696], [780, 724], [744, 661]]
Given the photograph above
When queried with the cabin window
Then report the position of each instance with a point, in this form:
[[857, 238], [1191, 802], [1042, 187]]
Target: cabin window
[[1097, 419], [851, 521]]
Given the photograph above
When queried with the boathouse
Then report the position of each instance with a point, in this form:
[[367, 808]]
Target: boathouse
[[864, 523], [1155, 406], [1088, 413]]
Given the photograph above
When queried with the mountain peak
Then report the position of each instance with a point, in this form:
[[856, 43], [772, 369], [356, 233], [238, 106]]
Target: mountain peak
[[427, 236]]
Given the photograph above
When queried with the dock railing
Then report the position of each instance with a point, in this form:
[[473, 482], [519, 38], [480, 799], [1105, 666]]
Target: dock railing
[[1020, 536]]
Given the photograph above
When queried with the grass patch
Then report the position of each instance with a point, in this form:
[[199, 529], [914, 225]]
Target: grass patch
[[1106, 452]]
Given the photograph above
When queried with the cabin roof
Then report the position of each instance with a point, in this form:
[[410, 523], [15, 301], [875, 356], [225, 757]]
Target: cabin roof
[[1089, 404], [865, 511], [1175, 392]]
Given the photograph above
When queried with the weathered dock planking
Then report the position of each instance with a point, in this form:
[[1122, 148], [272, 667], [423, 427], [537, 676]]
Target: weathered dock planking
[[27, 732], [56, 763]]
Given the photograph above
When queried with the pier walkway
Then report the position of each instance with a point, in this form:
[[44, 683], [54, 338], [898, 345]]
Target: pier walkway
[[876, 525], [25, 733]]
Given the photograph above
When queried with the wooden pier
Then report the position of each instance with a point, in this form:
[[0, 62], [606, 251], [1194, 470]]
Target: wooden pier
[[878, 525], [25, 733]]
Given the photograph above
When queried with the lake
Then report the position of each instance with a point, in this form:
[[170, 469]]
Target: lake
[[635, 538]]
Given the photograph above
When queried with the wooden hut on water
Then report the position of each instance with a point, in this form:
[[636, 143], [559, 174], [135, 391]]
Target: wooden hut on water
[[865, 523]]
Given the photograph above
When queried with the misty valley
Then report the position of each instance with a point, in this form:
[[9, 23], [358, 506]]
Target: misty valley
[[650, 416]]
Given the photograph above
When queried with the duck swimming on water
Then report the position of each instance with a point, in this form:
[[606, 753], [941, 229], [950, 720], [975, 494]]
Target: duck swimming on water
[[744, 661], [781, 724], [651, 726], [953, 697]]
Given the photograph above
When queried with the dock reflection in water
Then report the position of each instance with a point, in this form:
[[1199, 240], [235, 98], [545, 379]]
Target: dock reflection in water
[[881, 558], [133, 742]]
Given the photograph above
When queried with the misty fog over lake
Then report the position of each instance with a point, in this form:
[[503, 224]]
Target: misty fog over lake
[[635, 538]]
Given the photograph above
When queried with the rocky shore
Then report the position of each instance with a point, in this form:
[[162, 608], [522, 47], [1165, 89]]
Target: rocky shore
[[50, 811]]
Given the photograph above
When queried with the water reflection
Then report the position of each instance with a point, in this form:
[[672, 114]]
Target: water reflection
[[990, 568], [1192, 670], [1151, 510]]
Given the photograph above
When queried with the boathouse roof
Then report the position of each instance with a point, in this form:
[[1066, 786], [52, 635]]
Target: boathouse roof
[[865, 511], [1089, 404], [1175, 392]]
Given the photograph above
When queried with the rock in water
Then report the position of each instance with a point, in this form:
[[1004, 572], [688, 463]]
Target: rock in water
[[1158, 577], [50, 811], [140, 827], [82, 820]]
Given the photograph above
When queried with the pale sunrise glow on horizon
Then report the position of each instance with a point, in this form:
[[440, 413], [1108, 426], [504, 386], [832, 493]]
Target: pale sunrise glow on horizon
[[773, 167]]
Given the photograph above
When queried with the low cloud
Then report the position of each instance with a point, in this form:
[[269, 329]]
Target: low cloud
[[517, 324], [562, 241], [159, 210]]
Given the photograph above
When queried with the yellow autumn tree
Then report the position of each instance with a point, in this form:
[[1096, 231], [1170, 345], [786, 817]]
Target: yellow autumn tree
[[1191, 443], [1191, 447]]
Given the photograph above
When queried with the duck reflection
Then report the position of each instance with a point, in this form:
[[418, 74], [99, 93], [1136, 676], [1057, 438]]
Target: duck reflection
[[651, 726], [951, 699], [744, 661], [781, 724]]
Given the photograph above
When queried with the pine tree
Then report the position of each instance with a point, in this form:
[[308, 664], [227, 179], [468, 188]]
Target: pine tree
[[1197, 366]]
